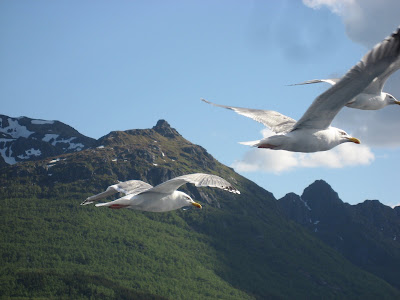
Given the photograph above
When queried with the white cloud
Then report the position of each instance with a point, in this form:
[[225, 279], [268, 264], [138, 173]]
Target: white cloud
[[341, 156], [367, 21], [278, 161], [336, 6], [266, 160]]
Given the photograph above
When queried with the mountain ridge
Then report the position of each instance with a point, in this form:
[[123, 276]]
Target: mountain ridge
[[365, 233], [236, 247], [25, 139]]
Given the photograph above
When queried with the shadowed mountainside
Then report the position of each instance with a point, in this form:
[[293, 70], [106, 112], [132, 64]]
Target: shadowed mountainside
[[367, 233]]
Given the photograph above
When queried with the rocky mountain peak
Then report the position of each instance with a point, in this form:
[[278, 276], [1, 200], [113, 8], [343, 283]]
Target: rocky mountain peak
[[319, 185], [320, 193], [163, 128]]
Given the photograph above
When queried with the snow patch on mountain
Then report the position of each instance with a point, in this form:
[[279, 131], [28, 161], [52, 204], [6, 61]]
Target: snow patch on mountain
[[29, 153], [41, 122], [52, 138], [305, 203], [6, 152], [24, 139], [14, 129], [75, 146]]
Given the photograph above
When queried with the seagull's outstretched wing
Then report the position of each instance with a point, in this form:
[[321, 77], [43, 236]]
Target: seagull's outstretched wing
[[375, 63], [198, 179], [131, 187], [274, 120], [374, 88], [331, 81], [377, 84]]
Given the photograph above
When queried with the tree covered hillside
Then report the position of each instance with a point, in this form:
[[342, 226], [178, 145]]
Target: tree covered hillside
[[236, 247]]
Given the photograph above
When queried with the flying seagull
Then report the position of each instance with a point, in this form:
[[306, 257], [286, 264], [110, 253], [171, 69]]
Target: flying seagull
[[163, 197], [313, 132], [372, 98]]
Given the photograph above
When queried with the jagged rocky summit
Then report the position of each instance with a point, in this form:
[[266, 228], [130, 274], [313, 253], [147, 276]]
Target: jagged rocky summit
[[154, 155], [26, 139]]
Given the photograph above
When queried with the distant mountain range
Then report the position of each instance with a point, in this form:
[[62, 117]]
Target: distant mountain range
[[368, 234], [247, 246], [25, 139]]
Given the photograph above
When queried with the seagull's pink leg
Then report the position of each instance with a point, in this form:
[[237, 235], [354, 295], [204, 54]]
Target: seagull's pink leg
[[117, 206]]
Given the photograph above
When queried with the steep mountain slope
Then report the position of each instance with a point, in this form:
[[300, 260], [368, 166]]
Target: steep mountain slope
[[236, 247], [24, 139], [366, 233]]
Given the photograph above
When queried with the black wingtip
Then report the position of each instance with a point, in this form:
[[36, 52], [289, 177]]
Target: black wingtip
[[394, 39], [231, 189], [396, 35]]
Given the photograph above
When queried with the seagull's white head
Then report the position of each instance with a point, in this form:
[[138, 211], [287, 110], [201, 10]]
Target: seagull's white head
[[185, 200], [344, 137], [390, 99]]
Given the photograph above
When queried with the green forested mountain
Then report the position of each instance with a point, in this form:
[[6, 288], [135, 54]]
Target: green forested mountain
[[236, 247]]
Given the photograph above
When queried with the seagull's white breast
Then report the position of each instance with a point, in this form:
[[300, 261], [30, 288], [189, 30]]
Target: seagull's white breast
[[155, 202], [311, 140], [367, 102]]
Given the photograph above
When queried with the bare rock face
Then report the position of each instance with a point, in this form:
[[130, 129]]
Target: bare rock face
[[295, 208], [163, 128]]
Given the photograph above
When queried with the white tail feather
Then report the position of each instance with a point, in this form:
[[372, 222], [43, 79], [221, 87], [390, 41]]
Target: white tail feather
[[250, 143]]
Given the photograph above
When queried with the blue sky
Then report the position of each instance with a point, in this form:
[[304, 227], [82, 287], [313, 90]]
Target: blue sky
[[101, 66]]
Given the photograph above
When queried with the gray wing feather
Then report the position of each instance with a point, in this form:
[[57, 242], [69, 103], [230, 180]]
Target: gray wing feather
[[331, 81], [375, 63], [131, 187], [274, 120], [377, 84], [198, 179]]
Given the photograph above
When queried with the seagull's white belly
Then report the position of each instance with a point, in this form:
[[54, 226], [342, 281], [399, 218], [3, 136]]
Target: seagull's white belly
[[154, 202], [367, 102], [304, 140]]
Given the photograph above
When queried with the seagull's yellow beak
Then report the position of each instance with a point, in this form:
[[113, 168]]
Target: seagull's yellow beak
[[198, 205], [397, 102], [354, 140]]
